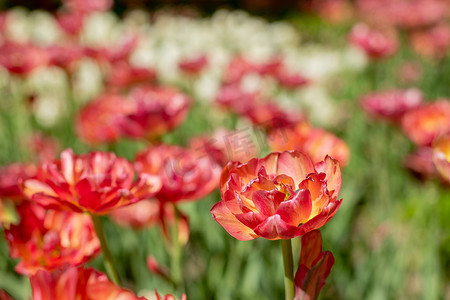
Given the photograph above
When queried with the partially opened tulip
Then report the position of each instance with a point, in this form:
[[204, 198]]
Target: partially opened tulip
[[314, 267], [375, 43], [391, 105], [94, 183], [441, 156], [184, 175], [97, 183], [77, 283], [152, 111], [425, 123], [281, 196], [313, 141], [51, 240]]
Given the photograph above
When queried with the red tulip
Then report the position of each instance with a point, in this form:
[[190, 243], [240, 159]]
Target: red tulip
[[49, 240], [184, 175], [77, 283], [315, 142], [281, 196], [391, 105], [424, 123], [21, 58], [441, 156], [71, 22], [45, 148], [193, 65], [96, 183], [420, 163], [123, 75], [152, 111], [434, 42], [232, 97], [314, 267], [100, 120], [237, 69], [270, 116], [88, 6], [225, 146], [64, 56], [10, 176], [291, 80], [376, 44]]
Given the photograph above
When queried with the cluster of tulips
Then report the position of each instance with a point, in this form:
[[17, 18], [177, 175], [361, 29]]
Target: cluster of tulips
[[53, 209]]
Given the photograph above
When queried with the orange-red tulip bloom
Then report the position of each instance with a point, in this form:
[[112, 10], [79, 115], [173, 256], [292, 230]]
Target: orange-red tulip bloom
[[97, 183], [441, 156], [314, 267], [425, 123], [99, 121], [313, 141], [391, 105], [281, 196], [152, 111], [77, 284], [184, 175], [49, 240], [375, 43]]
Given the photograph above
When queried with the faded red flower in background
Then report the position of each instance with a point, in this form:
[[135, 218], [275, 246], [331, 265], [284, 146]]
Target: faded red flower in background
[[49, 240], [232, 97], [99, 121], [184, 175], [375, 43], [10, 176], [77, 283], [441, 156], [314, 267], [270, 116], [434, 42], [281, 196], [88, 6], [44, 148], [152, 111], [313, 141], [97, 183], [424, 123], [224, 146], [123, 75], [71, 22], [392, 104], [65, 55], [115, 53], [420, 163], [237, 69], [21, 58], [291, 80], [193, 65]]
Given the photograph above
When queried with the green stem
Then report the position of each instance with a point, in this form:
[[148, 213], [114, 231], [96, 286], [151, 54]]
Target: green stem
[[110, 267], [288, 262], [176, 250]]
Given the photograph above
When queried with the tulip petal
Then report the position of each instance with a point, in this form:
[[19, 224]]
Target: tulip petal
[[274, 228], [251, 219], [296, 210], [322, 218], [267, 202], [330, 167], [231, 224], [294, 164]]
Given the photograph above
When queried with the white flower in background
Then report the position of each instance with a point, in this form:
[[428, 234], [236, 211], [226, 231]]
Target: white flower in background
[[49, 109], [48, 80], [18, 26], [88, 81], [319, 105], [101, 29], [44, 30]]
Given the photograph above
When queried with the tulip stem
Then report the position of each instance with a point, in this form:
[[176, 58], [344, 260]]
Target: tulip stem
[[176, 250], [288, 262], [110, 267]]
